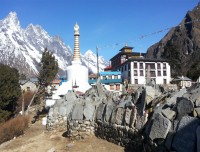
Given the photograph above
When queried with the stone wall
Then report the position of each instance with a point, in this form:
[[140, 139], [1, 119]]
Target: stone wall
[[149, 119]]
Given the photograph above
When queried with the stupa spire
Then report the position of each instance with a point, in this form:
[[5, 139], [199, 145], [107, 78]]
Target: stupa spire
[[76, 56]]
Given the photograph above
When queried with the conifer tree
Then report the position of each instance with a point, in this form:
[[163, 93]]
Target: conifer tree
[[10, 91], [49, 68]]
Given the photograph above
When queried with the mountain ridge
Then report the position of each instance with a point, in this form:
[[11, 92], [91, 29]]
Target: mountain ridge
[[181, 46], [22, 48]]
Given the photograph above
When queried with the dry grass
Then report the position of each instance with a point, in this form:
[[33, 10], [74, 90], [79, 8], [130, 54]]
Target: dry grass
[[13, 128], [27, 96]]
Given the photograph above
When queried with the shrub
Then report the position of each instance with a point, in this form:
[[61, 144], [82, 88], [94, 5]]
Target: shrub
[[13, 128]]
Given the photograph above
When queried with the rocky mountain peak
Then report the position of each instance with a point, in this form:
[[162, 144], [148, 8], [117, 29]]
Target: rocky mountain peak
[[11, 21], [181, 45]]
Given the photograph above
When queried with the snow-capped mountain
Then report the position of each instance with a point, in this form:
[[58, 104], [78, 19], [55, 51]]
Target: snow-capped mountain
[[89, 59], [22, 48]]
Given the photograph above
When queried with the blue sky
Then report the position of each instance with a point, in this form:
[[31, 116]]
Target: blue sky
[[103, 23]]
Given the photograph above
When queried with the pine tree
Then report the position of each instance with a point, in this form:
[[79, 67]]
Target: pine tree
[[10, 91], [49, 68]]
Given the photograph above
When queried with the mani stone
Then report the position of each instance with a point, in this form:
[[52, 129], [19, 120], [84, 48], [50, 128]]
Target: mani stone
[[119, 116], [197, 102], [68, 108], [185, 137], [88, 111], [77, 113], [184, 106], [172, 100], [168, 113], [100, 111], [198, 139], [128, 116], [108, 113], [113, 116], [160, 127]]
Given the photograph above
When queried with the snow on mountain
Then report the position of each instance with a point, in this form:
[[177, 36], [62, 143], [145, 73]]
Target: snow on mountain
[[90, 60], [22, 48]]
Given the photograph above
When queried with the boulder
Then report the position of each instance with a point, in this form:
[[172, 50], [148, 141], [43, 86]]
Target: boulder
[[100, 111], [160, 127], [174, 96], [168, 113], [113, 116], [184, 106], [185, 137], [77, 112], [70, 96], [119, 116], [108, 112], [128, 116], [88, 111]]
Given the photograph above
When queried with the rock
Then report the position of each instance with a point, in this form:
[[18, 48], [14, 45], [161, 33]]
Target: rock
[[160, 127], [128, 116], [108, 112], [88, 111], [185, 137], [168, 113], [69, 108], [100, 111], [151, 93], [50, 114], [197, 102], [70, 96], [133, 117], [184, 106], [51, 150], [141, 103], [113, 116], [119, 116], [62, 111], [198, 139], [172, 100], [77, 113], [169, 139], [197, 111]]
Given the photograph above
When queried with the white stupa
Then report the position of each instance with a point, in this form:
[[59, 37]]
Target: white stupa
[[77, 74]]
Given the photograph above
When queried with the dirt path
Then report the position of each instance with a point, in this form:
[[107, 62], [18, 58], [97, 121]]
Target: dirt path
[[37, 139]]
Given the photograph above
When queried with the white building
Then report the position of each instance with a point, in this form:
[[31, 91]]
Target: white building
[[139, 70]]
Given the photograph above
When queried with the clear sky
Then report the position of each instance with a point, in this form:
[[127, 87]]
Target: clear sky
[[103, 23]]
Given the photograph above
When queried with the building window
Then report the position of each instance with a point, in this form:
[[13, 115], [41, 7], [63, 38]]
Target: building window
[[150, 66], [164, 65], [129, 66], [135, 65], [141, 66], [115, 77], [104, 77], [141, 73], [28, 89], [152, 74], [135, 73], [158, 66], [125, 68], [136, 81], [122, 69], [111, 87], [159, 73], [164, 73], [117, 86], [110, 77]]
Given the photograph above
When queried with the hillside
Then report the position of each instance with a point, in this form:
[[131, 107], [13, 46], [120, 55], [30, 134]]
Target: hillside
[[181, 45]]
